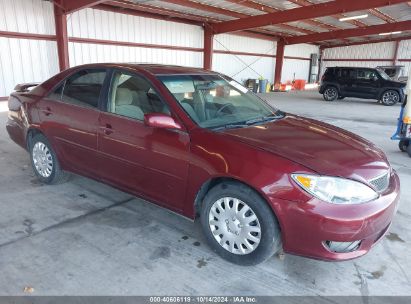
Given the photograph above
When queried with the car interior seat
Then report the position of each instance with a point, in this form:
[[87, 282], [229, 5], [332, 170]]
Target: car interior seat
[[124, 104]]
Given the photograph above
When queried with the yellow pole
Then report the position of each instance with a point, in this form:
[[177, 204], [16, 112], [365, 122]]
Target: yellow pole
[[407, 110]]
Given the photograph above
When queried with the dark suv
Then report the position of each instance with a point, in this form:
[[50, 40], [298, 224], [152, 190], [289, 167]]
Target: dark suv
[[368, 83]]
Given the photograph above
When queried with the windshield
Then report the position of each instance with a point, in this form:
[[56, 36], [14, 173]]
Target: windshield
[[216, 102], [384, 75]]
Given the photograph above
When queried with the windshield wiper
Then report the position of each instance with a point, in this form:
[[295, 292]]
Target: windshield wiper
[[230, 126], [261, 119], [249, 122]]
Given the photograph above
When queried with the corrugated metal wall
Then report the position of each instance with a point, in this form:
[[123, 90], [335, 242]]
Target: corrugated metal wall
[[297, 68], [25, 60], [367, 55], [103, 25], [404, 52], [242, 67], [27, 16]]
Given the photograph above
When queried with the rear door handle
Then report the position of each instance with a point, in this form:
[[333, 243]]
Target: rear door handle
[[107, 129], [47, 111]]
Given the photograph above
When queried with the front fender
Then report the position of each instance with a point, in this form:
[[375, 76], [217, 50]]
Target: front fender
[[215, 155]]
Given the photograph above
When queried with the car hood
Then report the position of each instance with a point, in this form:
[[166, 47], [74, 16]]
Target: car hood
[[396, 84], [318, 146]]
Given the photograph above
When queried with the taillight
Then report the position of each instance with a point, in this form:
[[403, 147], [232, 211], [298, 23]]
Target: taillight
[[14, 104]]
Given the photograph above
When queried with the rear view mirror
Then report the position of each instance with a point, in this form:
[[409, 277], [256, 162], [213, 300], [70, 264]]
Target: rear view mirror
[[160, 120]]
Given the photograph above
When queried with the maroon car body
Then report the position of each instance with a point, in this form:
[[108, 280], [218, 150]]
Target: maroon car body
[[173, 167]]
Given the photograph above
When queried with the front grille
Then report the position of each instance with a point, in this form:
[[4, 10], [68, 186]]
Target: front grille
[[381, 182]]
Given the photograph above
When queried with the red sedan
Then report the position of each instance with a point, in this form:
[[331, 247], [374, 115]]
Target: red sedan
[[202, 145]]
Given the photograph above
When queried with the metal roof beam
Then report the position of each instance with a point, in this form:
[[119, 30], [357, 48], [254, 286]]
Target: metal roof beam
[[269, 9], [357, 32], [366, 42], [377, 13], [70, 6], [338, 16], [174, 16], [234, 14], [302, 13]]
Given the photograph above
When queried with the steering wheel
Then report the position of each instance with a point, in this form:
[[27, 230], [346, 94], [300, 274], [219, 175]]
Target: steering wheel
[[220, 110]]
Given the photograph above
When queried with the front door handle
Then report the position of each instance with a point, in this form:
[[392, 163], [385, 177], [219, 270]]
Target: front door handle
[[107, 129], [47, 111]]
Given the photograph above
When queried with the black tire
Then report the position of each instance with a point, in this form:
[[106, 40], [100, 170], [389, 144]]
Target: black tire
[[270, 236], [57, 175], [403, 144], [330, 93], [390, 98], [341, 97]]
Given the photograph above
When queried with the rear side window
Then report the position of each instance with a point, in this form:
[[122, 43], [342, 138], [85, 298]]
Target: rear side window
[[348, 74], [82, 88]]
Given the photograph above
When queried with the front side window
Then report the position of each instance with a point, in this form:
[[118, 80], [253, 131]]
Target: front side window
[[133, 96], [57, 93], [82, 89], [213, 101], [366, 75]]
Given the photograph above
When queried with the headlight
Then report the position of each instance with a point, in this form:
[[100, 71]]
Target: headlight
[[335, 190]]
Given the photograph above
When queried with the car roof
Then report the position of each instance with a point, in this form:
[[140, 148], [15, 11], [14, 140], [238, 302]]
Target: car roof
[[390, 66], [348, 67], [155, 69]]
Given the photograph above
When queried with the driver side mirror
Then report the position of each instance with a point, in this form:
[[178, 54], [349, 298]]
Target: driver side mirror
[[160, 120]]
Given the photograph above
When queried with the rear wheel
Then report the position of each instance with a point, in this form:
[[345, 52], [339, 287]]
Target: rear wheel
[[403, 144], [330, 94], [390, 98], [44, 161], [239, 225]]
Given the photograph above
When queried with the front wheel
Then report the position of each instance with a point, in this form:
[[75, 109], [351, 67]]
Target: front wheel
[[390, 98], [403, 144], [330, 94], [44, 161], [239, 225]]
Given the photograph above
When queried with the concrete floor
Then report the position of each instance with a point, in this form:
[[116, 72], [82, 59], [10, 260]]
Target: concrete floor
[[85, 238]]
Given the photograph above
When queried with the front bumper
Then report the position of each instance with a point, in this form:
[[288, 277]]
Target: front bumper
[[307, 226]]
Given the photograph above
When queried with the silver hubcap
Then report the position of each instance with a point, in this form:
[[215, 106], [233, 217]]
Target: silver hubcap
[[234, 225], [42, 159], [390, 97]]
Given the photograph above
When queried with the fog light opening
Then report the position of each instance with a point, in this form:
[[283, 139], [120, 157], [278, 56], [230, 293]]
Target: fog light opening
[[342, 247]]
